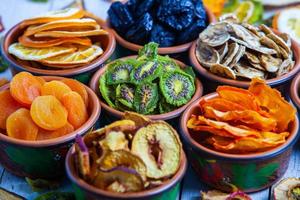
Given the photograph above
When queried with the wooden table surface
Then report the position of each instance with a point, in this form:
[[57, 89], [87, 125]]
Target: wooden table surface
[[13, 11]]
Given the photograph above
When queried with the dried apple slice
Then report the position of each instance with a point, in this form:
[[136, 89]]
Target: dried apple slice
[[140, 120], [127, 180], [159, 147], [114, 140], [123, 158]]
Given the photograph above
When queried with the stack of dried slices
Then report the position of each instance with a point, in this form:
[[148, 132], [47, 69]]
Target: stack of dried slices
[[243, 51], [59, 39]]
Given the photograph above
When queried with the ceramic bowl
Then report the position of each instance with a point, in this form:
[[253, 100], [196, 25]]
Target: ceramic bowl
[[240, 83], [94, 85], [295, 91], [162, 50], [249, 172], [169, 190], [43, 159], [82, 73]]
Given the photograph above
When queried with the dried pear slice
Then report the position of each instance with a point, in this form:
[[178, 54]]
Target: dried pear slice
[[279, 41], [238, 55], [270, 63], [232, 51], [285, 67], [248, 72], [245, 35], [253, 29], [159, 147], [257, 66], [270, 43], [206, 55], [127, 180], [223, 70], [215, 34], [265, 29], [223, 51], [283, 53], [287, 189], [287, 39], [252, 58]]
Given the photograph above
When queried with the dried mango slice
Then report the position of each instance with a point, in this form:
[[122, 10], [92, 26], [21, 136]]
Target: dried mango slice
[[81, 56], [25, 87], [77, 112], [56, 34], [249, 117], [55, 88], [65, 25], [20, 125], [78, 87], [29, 42], [45, 134], [272, 101], [30, 53], [48, 113], [8, 105], [239, 96], [220, 104], [69, 13]]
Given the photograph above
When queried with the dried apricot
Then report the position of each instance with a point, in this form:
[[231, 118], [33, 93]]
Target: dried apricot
[[55, 88], [48, 113], [20, 125], [78, 87], [24, 87], [8, 105], [45, 134], [77, 112], [41, 80]]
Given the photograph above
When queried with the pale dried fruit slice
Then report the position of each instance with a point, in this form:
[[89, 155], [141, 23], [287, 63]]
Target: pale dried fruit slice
[[64, 25], [287, 189], [37, 54], [114, 140], [140, 120], [71, 33], [69, 13], [248, 72], [81, 56], [223, 51], [215, 34], [206, 55], [223, 70], [123, 158], [159, 147], [270, 63], [42, 43], [232, 51]]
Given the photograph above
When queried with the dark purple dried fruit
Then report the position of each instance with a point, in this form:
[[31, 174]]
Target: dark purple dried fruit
[[177, 14], [200, 12], [120, 17], [192, 32], [162, 36], [144, 7], [132, 5], [139, 32]]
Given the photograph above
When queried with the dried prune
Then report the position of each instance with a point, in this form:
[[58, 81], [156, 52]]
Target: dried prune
[[132, 5], [120, 17], [192, 32], [176, 14], [162, 36], [139, 32], [144, 7]]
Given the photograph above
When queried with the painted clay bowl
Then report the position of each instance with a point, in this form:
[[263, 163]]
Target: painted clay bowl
[[295, 91]]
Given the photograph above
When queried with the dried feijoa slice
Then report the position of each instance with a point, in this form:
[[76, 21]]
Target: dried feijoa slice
[[159, 147], [125, 95], [145, 72], [177, 87], [123, 158], [119, 179], [119, 71], [107, 92], [145, 98]]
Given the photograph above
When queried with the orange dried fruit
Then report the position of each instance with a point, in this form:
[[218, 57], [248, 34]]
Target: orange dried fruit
[[48, 113], [45, 134], [25, 87], [41, 80], [76, 109], [55, 88], [20, 125], [8, 105], [78, 87]]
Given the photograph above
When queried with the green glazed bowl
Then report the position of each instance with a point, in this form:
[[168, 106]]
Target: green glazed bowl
[[248, 172], [43, 159]]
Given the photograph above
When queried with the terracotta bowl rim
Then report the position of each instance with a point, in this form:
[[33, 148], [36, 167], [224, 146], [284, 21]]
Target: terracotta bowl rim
[[94, 115], [294, 91], [244, 84], [243, 157], [161, 50], [177, 177], [94, 85], [61, 72]]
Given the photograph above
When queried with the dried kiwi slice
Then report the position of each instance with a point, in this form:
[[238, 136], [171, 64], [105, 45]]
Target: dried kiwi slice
[[190, 71], [165, 107], [145, 72], [148, 52], [145, 98], [119, 71], [106, 91], [177, 87], [167, 63], [125, 95]]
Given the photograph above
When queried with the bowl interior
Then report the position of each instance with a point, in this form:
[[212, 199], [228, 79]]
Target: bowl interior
[[243, 83], [107, 44], [94, 110], [295, 91], [194, 109], [94, 85], [73, 176]]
